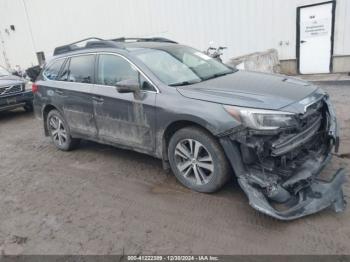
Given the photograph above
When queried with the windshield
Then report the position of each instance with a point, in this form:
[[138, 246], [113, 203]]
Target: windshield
[[176, 66], [3, 72]]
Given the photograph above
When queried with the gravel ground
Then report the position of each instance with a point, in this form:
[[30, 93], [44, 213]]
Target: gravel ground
[[103, 200]]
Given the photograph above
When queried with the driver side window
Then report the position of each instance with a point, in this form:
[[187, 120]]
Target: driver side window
[[112, 69]]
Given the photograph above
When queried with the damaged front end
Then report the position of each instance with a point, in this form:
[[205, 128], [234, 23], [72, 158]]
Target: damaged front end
[[278, 168]]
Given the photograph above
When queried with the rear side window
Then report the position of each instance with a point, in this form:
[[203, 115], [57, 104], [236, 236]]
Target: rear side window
[[64, 72], [81, 69], [51, 72]]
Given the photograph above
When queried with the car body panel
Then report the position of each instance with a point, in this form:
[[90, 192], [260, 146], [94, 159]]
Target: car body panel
[[16, 100], [7, 81], [74, 101], [125, 118], [250, 89]]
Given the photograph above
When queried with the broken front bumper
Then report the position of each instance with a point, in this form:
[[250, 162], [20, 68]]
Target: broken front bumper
[[297, 190], [318, 196]]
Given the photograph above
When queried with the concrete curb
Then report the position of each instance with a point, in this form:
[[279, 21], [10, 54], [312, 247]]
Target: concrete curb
[[327, 79], [331, 82]]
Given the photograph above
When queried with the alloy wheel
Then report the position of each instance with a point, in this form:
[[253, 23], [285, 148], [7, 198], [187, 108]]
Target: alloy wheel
[[194, 161], [58, 130]]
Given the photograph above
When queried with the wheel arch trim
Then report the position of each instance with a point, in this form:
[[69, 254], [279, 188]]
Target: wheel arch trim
[[45, 111], [172, 127]]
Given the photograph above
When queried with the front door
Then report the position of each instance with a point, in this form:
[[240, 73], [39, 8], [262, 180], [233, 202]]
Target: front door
[[126, 119], [315, 38]]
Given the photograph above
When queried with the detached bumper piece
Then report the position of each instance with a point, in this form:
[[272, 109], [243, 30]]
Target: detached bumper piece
[[318, 196]]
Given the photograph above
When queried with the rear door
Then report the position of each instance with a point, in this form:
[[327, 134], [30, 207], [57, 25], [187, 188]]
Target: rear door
[[51, 89], [123, 118], [76, 81]]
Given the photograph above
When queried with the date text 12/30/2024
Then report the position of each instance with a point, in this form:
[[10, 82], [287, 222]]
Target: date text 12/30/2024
[[173, 258]]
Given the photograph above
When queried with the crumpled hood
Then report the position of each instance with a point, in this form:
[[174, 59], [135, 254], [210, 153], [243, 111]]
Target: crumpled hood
[[10, 80], [250, 89]]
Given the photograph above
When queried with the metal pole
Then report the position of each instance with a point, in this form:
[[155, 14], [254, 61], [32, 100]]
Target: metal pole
[[3, 49]]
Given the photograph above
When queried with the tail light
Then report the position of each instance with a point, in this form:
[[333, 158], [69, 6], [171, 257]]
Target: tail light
[[35, 88]]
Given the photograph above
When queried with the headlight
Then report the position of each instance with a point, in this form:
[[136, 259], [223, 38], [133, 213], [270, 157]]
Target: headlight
[[28, 86], [262, 119]]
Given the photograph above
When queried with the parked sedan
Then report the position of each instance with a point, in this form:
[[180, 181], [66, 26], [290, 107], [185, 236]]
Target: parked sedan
[[14, 92], [205, 120]]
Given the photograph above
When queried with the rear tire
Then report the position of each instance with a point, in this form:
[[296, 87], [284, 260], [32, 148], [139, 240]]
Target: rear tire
[[197, 160], [59, 131]]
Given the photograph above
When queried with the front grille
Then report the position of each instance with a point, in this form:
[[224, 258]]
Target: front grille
[[291, 151], [291, 142], [311, 125], [6, 90]]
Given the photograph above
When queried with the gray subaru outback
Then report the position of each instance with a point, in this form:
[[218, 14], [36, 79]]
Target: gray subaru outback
[[205, 120]]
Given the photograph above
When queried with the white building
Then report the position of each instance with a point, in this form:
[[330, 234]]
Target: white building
[[318, 36]]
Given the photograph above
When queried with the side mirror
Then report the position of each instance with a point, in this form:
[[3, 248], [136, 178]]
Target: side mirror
[[128, 86]]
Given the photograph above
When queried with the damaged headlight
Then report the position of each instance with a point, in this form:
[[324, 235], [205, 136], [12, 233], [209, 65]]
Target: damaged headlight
[[262, 119]]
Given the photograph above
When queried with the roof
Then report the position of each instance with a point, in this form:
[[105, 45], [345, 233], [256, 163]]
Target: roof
[[119, 43], [132, 45]]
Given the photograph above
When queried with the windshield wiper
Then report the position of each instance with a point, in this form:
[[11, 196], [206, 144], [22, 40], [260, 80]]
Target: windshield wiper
[[217, 75], [184, 83]]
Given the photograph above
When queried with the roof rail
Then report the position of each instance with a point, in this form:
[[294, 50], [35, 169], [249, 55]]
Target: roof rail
[[96, 43], [144, 39]]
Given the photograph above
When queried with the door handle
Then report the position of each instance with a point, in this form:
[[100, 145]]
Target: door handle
[[59, 92], [303, 41], [98, 99]]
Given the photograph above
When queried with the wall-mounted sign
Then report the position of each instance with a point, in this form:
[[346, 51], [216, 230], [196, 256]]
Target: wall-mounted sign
[[315, 27]]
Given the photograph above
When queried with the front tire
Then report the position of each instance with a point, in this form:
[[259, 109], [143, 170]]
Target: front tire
[[59, 131], [197, 160]]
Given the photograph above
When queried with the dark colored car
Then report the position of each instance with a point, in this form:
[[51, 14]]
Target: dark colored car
[[205, 120], [13, 92]]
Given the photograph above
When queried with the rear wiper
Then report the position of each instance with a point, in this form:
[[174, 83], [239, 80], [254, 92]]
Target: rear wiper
[[184, 83]]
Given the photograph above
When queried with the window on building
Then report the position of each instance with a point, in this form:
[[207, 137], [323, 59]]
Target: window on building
[[51, 72], [81, 69]]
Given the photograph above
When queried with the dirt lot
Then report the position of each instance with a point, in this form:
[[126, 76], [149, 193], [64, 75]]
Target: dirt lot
[[102, 200]]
